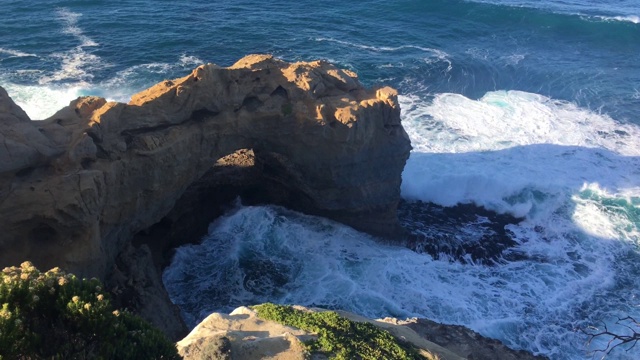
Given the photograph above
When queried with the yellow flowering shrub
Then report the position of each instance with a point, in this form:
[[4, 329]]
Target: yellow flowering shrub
[[54, 315]]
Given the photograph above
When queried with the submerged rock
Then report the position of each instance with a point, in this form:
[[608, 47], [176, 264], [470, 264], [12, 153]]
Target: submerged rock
[[75, 188], [465, 232]]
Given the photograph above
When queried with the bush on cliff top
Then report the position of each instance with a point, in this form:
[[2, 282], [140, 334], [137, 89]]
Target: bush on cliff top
[[339, 337], [55, 315]]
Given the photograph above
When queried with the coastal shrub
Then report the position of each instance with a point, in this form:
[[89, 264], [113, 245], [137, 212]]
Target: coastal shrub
[[339, 337], [54, 315]]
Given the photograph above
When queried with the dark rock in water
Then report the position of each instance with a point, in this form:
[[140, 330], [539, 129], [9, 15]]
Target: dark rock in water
[[76, 188], [464, 232]]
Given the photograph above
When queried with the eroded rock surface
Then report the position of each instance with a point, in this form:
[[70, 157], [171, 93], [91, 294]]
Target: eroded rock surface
[[75, 188], [243, 335]]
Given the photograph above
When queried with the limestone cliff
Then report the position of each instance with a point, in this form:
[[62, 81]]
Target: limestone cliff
[[242, 334], [75, 188]]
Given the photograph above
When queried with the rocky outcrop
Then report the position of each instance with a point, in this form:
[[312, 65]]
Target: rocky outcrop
[[243, 335], [464, 341], [75, 188]]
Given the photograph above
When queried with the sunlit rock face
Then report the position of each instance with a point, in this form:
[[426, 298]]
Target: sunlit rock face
[[75, 188]]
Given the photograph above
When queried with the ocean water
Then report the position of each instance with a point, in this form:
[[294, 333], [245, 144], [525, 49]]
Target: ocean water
[[526, 108]]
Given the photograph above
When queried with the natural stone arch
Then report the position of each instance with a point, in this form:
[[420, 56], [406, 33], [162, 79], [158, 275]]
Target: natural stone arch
[[98, 172]]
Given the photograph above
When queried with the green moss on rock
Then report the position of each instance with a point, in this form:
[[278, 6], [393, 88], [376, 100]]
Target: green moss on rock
[[339, 337]]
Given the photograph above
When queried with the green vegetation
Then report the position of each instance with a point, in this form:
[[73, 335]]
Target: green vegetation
[[339, 337], [55, 315]]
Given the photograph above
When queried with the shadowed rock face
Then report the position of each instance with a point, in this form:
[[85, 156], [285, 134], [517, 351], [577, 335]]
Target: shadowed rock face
[[76, 187]]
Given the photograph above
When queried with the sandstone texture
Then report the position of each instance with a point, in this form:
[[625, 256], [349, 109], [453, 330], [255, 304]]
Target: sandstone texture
[[94, 187], [242, 335]]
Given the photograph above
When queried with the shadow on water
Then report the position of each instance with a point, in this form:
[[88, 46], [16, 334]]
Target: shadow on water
[[533, 176], [583, 217], [529, 281]]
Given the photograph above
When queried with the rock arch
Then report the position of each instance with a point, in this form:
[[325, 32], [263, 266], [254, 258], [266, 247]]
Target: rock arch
[[98, 172]]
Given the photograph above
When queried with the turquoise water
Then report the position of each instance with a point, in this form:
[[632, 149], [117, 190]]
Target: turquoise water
[[529, 108]]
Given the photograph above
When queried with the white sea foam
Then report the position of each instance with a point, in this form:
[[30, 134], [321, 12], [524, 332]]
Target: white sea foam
[[56, 89], [574, 8], [259, 254], [499, 150], [503, 119], [190, 60], [137, 78], [40, 102], [572, 174], [75, 76], [43, 100], [383, 48], [77, 64], [9, 53], [514, 59], [434, 54], [484, 55], [478, 53], [71, 21], [628, 18]]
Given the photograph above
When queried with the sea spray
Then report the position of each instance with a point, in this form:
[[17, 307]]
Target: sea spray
[[571, 250], [559, 147], [258, 254]]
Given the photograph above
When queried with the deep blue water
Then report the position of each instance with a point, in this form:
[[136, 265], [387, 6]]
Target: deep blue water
[[578, 52], [525, 107]]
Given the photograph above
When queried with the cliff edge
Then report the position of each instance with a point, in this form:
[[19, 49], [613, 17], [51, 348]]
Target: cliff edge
[[246, 334], [75, 188]]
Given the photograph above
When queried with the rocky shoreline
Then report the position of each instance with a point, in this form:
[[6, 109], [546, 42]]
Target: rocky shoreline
[[243, 334], [107, 190]]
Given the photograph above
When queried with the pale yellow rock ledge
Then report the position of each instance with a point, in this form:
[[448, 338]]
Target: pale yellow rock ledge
[[242, 335]]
